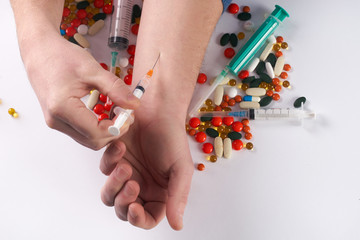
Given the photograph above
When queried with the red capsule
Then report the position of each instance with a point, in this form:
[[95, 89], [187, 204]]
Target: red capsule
[[108, 106], [231, 102], [248, 136], [103, 116], [135, 29], [245, 122], [70, 31], [216, 121], [229, 52], [131, 60], [201, 167], [243, 74], [246, 129], [81, 13], [108, 8], [75, 23], [98, 3], [99, 109], [201, 78], [200, 137], [66, 12], [128, 79], [207, 148], [103, 98], [104, 66], [275, 97], [131, 50], [237, 144], [228, 121], [233, 8], [194, 122], [237, 126]]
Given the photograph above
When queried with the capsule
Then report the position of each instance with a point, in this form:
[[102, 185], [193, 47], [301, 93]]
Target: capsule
[[252, 66], [256, 92], [271, 39], [279, 66], [269, 69], [93, 99], [81, 40], [218, 95], [248, 98], [219, 146], [266, 51], [96, 27], [249, 105], [227, 148]]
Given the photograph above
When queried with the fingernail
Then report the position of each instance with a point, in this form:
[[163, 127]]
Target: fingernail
[[122, 172], [116, 150], [132, 213]]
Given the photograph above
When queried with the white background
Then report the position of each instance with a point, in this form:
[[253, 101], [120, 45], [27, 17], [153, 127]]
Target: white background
[[298, 183]]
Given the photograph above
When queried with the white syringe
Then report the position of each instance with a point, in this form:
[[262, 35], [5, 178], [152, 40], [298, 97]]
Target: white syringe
[[124, 114]]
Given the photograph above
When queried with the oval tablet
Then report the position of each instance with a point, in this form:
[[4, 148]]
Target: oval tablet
[[269, 70], [93, 99], [279, 66], [81, 40], [219, 146], [227, 148], [266, 51], [96, 27], [218, 95], [253, 64], [255, 92], [247, 105]]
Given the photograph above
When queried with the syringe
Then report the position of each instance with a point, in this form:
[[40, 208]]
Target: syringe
[[246, 53], [124, 114], [120, 24], [266, 114]]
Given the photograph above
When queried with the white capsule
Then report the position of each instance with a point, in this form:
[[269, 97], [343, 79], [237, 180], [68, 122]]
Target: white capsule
[[269, 70], [218, 146], [249, 26], [247, 105], [96, 27], [227, 148], [218, 95], [271, 39], [255, 92], [279, 66], [231, 91], [253, 64], [266, 51], [83, 29], [93, 99], [123, 62], [248, 98]]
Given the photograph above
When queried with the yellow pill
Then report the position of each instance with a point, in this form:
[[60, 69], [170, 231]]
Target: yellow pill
[[203, 109], [89, 9], [241, 35], [117, 71], [95, 11], [208, 102], [0, 101], [15, 115], [11, 111], [232, 82], [213, 158], [137, 20], [91, 22], [72, 8]]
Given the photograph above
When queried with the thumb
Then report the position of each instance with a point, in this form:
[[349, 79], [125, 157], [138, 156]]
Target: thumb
[[178, 191], [112, 86]]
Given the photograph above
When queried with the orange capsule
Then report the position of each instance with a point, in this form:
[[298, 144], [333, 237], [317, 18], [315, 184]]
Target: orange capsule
[[278, 88], [287, 67], [248, 136], [276, 47], [278, 54], [192, 132], [284, 75], [275, 97], [279, 39], [269, 93], [246, 129], [217, 109], [246, 9], [276, 81], [226, 98], [245, 122], [231, 102], [238, 98], [224, 104], [130, 71], [201, 167]]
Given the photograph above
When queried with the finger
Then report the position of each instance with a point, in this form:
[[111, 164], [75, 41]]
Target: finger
[[127, 195], [178, 191], [112, 156], [114, 183], [148, 216], [112, 86]]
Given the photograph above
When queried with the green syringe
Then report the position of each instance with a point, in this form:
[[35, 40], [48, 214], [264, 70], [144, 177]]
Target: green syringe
[[246, 53]]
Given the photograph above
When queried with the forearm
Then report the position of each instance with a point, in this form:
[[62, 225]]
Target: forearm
[[36, 20], [180, 31]]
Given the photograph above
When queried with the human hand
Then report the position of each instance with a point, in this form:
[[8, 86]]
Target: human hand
[[61, 73], [150, 177]]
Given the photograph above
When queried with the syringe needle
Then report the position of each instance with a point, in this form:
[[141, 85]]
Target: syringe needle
[[156, 62]]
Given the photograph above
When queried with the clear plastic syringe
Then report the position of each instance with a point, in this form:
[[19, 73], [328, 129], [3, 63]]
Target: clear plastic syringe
[[124, 114], [266, 114], [246, 53], [120, 24]]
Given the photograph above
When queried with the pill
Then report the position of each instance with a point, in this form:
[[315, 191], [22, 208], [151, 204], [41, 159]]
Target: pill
[[269, 70], [300, 101], [231, 91], [271, 39], [253, 64], [255, 83], [249, 98], [81, 40], [218, 146], [248, 79], [93, 99], [244, 16], [212, 132], [96, 27], [265, 101], [233, 40], [83, 29], [279, 66], [256, 92], [271, 59], [248, 26], [218, 95], [201, 167], [237, 145], [123, 62], [234, 135], [247, 105], [99, 16], [227, 148], [266, 51], [260, 68], [82, 4], [265, 78]]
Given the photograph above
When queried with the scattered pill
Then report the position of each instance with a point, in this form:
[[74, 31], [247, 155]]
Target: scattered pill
[[279, 66], [271, 59], [246, 9], [269, 70], [200, 137], [260, 68], [248, 98], [287, 67], [194, 122], [229, 52], [96, 27], [201, 78], [265, 101], [249, 146], [225, 39], [249, 105], [234, 135], [233, 40], [218, 146], [124, 62], [237, 126], [81, 40], [233, 8], [93, 99], [271, 39], [256, 92], [286, 84], [265, 53], [216, 121], [248, 26], [227, 148], [201, 167], [253, 64], [284, 75], [228, 121], [231, 92], [241, 35], [244, 16], [218, 95], [299, 101], [237, 144]]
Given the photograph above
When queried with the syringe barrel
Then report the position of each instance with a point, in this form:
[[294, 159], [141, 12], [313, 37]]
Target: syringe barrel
[[120, 24], [253, 45]]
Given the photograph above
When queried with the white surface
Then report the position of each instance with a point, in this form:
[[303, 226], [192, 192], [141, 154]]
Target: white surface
[[299, 183]]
